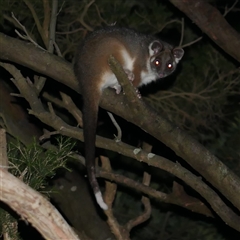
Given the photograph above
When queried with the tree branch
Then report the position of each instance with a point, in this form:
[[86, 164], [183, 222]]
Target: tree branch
[[34, 208]]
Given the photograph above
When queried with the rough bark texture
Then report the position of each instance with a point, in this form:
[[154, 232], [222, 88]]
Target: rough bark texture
[[33, 207]]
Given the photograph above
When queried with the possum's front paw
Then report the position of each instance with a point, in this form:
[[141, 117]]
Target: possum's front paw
[[118, 88], [130, 74], [138, 93]]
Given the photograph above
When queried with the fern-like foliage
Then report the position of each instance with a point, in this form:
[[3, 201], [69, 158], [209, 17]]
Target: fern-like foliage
[[35, 165]]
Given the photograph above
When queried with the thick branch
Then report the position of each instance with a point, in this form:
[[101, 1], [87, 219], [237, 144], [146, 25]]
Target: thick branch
[[34, 208], [47, 64], [213, 23]]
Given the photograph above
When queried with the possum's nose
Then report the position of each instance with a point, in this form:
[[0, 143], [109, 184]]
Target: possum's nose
[[161, 75]]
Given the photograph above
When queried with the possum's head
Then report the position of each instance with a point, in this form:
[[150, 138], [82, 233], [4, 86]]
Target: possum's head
[[163, 60]]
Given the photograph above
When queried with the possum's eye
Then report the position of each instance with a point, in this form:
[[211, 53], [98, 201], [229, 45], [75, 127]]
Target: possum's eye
[[157, 62], [169, 65]]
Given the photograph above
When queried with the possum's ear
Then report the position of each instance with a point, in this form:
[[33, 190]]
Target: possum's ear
[[178, 54], [155, 47]]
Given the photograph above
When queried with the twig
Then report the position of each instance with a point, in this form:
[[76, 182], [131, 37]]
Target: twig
[[60, 9], [16, 95], [52, 27], [72, 108], [111, 188], [99, 15], [38, 24], [27, 37], [70, 32], [191, 43], [47, 135], [51, 109], [83, 15], [58, 51], [46, 20], [66, 103], [147, 206], [49, 36], [227, 10], [182, 33], [118, 138], [170, 22]]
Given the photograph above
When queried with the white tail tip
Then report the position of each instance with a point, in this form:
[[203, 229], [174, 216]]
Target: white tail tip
[[100, 201]]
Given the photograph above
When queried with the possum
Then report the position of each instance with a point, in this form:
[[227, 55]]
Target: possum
[[144, 58]]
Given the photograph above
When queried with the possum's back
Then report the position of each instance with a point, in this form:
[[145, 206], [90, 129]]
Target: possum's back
[[126, 45]]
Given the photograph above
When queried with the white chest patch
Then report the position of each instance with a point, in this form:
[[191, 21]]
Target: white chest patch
[[128, 60], [149, 75]]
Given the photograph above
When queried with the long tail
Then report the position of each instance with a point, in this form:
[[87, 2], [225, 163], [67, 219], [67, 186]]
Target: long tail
[[90, 115]]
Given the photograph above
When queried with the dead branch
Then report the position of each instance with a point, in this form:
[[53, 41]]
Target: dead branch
[[34, 208]]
